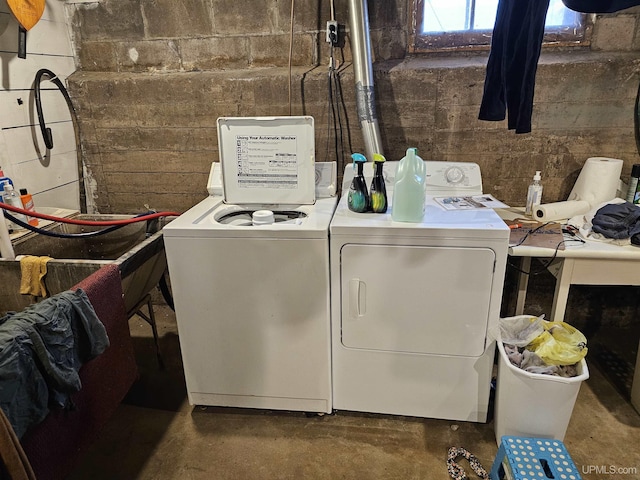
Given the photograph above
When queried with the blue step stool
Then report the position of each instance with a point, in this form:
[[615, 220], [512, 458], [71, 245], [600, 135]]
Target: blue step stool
[[523, 458]]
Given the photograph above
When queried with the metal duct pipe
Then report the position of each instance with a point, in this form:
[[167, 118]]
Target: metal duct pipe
[[365, 96]]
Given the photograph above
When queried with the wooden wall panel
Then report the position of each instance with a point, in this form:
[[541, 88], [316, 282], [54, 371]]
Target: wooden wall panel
[[51, 176]]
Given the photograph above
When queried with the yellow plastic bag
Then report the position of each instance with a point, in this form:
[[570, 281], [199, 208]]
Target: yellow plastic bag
[[559, 344]]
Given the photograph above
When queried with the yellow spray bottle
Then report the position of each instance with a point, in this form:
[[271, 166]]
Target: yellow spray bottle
[[378, 191]]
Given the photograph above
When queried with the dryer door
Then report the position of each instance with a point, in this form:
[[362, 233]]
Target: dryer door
[[416, 299]]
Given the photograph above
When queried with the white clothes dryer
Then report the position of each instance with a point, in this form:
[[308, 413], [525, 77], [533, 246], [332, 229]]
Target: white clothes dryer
[[413, 303], [250, 278]]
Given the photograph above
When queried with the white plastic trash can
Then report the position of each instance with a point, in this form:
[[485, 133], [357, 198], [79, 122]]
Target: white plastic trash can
[[533, 404]]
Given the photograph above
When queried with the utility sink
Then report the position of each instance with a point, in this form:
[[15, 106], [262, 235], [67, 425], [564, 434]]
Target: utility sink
[[137, 249]]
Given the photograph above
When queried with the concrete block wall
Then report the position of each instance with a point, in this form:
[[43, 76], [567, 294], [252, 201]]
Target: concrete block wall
[[195, 35], [153, 76]]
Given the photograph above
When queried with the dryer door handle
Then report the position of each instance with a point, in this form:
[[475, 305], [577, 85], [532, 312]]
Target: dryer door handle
[[357, 298]]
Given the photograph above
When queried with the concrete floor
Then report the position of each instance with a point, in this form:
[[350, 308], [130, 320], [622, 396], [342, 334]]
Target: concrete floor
[[156, 434]]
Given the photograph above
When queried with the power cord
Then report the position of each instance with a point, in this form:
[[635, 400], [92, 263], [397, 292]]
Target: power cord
[[293, 3], [337, 118], [531, 232], [570, 230]]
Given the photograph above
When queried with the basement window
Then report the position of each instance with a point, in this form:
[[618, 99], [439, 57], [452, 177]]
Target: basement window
[[468, 25]]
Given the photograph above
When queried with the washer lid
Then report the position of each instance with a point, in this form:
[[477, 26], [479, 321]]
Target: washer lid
[[200, 221], [267, 160]]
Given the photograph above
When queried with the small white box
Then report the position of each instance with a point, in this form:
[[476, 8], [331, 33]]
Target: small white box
[[533, 404]]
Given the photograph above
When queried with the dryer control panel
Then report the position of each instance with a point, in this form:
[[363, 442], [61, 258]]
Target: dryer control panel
[[444, 179], [453, 178]]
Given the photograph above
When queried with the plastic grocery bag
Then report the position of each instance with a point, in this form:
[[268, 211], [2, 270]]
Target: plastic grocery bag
[[521, 330], [559, 344]]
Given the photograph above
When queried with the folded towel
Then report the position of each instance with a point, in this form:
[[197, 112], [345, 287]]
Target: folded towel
[[33, 271]]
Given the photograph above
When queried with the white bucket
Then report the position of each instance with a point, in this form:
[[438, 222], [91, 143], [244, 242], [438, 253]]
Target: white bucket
[[533, 404]]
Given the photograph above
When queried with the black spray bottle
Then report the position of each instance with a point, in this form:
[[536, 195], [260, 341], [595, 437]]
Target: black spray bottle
[[358, 198], [378, 190]]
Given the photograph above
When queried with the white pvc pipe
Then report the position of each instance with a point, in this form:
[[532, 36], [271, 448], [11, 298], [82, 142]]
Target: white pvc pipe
[[363, 72]]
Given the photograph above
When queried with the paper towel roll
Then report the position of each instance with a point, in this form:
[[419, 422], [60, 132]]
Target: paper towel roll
[[560, 210], [598, 180]]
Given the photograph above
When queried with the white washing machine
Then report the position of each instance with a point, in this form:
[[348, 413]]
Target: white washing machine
[[251, 291], [413, 303]]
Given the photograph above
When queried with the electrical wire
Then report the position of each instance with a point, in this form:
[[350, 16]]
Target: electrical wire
[[435, 16], [75, 221], [337, 118], [166, 292], [331, 115], [548, 263], [293, 2], [531, 232], [553, 257], [636, 120]]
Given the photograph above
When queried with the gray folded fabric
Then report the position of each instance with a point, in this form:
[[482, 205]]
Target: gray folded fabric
[[617, 220]]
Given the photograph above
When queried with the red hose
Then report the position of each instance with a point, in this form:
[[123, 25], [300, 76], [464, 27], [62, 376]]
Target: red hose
[[97, 223]]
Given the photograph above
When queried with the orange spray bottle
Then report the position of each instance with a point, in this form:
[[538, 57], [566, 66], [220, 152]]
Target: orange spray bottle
[[27, 204]]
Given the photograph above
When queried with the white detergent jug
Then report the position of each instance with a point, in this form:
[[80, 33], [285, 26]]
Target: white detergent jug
[[409, 190]]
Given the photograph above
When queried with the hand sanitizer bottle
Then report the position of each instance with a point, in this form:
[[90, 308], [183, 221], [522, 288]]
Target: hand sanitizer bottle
[[11, 197], [4, 179], [534, 195]]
